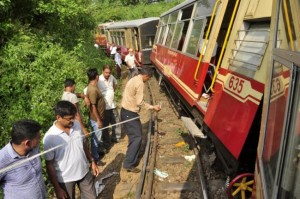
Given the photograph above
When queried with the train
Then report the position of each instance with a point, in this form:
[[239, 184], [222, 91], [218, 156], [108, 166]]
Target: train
[[233, 66], [137, 34], [101, 36]]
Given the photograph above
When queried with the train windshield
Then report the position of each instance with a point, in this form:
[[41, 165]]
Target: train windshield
[[290, 181], [275, 123], [281, 149]]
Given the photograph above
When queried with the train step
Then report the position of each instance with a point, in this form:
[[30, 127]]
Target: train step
[[192, 128]]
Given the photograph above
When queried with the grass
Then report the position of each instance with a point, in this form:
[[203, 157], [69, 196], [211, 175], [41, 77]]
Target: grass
[[181, 132]]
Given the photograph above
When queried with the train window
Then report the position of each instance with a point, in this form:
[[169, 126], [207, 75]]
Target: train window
[[107, 35], [280, 84], [171, 24], [123, 39], [187, 13], [178, 37], [250, 46], [117, 38], [196, 33], [101, 31], [290, 181], [170, 35], [134, 38], [112, 37], [156, 40], [204, 8], [147, 41], [164, 20], [163, 33], [173, 17], [289, 26]]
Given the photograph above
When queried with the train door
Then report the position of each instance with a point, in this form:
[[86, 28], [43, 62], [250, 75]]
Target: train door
[[279, 159]]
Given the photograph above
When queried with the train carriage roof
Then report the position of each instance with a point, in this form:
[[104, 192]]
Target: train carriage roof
[[207, 6], [105, 24], [183, 4], [132, 23]]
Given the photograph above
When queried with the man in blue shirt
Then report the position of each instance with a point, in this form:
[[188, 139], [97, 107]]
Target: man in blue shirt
[[25, 180]]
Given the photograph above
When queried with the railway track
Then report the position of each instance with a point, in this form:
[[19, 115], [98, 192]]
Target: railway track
[[170, 159], [172, 167]]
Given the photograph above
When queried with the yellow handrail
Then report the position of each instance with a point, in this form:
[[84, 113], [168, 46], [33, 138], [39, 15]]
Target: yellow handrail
[[205, 40], [224, 45], [288, 25]]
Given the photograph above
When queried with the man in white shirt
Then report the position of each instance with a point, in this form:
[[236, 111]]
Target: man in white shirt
[[107, 84], [113, 50], [68, 165], [131, 63], [118, 61]]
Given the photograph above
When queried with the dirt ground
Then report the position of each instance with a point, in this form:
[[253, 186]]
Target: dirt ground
[[121, 184]]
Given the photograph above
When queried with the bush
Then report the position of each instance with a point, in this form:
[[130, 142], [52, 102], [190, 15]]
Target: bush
[[32, 74]]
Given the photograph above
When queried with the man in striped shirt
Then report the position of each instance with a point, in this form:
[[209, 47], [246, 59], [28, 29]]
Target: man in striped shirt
[[25, 180]]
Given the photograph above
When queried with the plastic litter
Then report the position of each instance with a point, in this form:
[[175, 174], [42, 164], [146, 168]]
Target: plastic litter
[[99, 185], [179, 144], [161, 174], [190, 158]]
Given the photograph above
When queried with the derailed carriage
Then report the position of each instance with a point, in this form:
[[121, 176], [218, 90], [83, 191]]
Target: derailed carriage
[[137, 34], [215, 58]]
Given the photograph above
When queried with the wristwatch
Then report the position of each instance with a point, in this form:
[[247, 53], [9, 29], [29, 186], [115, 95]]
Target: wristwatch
[[92, 160]]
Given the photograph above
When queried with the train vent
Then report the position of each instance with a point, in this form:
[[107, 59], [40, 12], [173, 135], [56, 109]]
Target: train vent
[[249, 48]]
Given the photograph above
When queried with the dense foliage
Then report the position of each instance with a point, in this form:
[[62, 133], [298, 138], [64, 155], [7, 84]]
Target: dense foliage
[[127, 10], [42, 42]]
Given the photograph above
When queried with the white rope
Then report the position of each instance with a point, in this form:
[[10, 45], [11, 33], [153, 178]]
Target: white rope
[[12, 166]]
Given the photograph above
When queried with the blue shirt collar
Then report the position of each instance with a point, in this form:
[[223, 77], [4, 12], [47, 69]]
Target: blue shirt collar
[[13, 154]]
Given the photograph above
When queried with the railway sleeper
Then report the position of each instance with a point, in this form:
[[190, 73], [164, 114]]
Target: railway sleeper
[[176, 186]]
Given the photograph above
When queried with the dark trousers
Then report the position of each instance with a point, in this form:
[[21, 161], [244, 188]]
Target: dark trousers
[[86, 186], [132, 72], [118, 71], [133, 130], [111, 117]]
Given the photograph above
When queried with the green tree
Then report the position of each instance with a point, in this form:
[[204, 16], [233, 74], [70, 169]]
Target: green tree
[[42, 42]]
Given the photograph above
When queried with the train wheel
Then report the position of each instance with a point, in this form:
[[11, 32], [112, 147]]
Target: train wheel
[[241, 186]]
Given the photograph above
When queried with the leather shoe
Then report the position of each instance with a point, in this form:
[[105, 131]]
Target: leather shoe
[[133, 170]]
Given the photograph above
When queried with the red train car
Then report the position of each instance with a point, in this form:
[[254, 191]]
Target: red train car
[[214, 57]]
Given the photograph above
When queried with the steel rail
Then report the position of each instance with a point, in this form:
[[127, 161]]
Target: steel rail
[[196, 149], [141, 183], [152, 163]]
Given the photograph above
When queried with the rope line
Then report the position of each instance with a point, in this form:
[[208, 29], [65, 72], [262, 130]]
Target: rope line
[[14, 165]]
